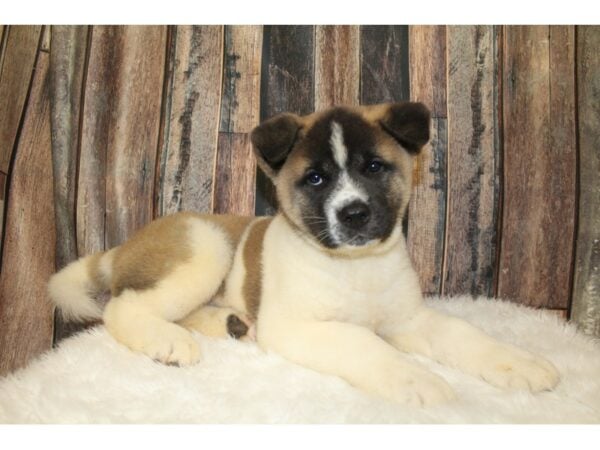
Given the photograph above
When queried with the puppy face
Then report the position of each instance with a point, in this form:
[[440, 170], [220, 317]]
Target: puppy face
[[343, 176]]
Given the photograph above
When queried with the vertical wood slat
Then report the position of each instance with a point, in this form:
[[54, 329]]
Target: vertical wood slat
[[287, 84], [337, 66], [427, 208], [19, 56], [67, 64], [235, 171], [136, 80], [539, 165], [586, 287], [26, 323], [384, 73], [97, 111], [473, 161], [191, 120]]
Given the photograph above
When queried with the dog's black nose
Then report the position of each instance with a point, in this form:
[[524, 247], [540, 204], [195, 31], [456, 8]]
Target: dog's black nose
[[355, 215]]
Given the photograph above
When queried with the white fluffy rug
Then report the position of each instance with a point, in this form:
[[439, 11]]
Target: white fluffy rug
[[92, 379]]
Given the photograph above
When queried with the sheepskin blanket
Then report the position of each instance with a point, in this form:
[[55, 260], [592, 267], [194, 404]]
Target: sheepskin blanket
[[90, 378]]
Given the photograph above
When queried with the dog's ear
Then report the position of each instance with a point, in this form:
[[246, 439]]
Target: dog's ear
[[273, 141], [408, 123]]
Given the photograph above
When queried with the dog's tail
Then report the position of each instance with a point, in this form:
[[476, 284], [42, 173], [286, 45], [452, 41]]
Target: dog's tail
[[74, 288]]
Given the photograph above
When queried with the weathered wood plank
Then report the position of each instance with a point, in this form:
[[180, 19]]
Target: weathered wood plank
[[191, 119], [384, 74], [427, 61], [337, 65], [3, 38], [135, 80], [98, 109], [235, 171], [585, 310], [539, 166], [67, 63], [15, 79], [235, 182], [427, 208], [473, 161], [240, 102], [26, 314], [287, 84]]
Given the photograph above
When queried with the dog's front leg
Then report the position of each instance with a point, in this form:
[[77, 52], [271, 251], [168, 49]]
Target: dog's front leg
[[357, 355], [456, 343]]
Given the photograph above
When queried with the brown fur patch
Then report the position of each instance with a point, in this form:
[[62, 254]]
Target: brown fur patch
[[158, 248], [93, 270], [252, 255]]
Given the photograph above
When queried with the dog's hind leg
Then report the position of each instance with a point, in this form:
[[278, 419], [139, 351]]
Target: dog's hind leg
[[217, 321], [144, 318]]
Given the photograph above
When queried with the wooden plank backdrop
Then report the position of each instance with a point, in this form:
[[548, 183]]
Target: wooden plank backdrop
[[104, 128]]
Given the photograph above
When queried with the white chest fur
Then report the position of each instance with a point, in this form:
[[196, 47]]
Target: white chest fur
[[301, 282]]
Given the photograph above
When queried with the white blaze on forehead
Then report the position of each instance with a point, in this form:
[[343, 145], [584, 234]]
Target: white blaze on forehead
[[340, 152]]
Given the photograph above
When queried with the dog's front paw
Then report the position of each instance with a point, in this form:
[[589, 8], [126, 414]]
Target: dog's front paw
[[511, 368], [420, 388]]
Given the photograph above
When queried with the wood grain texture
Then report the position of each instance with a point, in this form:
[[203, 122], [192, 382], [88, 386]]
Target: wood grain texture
[[191, 119], [132, 58], [384, 74], [235, 170], [427, 208], [67, 64], [240, 102], [3, 39], [473, 161], [585, 310], [337, 65], [427, 60], [28, 257], [287, 85], [19, 56], [235, 181], [539, 166]]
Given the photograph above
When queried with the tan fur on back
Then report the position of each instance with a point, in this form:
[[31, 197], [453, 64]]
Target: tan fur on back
[[155, 250], [252, 255]]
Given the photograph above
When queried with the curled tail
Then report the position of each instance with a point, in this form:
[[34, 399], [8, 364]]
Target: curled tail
[[74, 288]]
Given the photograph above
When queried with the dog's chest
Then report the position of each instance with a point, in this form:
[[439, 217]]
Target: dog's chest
[[300, 283]]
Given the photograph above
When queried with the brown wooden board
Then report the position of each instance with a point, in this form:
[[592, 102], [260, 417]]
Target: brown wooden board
[[473, 161], [19, 56], [240, 102], [585, 310], [67, 65], [539, 166], [191, 119], [235, 171], [287, 85], [337, 66], [132, 58], [26, 314], [98, 107], [427, 208], [384, 74], [235, 182], [3, 38]]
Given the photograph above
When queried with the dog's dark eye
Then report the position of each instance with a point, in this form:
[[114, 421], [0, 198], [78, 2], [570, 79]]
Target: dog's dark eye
[[314, 178], [375, 166]]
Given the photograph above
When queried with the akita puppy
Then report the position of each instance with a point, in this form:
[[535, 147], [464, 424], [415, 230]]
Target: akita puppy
[[327, 282]]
